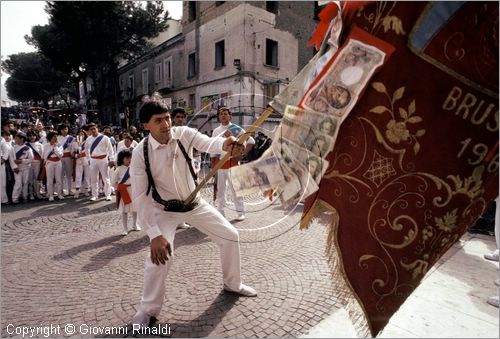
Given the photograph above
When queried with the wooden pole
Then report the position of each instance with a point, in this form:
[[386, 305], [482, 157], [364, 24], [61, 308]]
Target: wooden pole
[[226, 157]]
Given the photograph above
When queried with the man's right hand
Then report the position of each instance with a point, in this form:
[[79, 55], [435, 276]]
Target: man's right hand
[[160, 250]]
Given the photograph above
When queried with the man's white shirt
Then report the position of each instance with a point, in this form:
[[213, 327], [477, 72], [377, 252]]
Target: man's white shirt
[[170, 172], [103, 148]]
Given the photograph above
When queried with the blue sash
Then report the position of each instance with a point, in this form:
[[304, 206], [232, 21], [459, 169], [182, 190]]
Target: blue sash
[[95, 143], [21, 152], [126, 176], [69, 140], [35, 153]]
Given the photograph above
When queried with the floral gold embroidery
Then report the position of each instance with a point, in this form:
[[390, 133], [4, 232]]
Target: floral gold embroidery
[[397, 127], [448, 222]]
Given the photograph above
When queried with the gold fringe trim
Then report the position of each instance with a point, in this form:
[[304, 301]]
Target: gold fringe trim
[[323, 213]]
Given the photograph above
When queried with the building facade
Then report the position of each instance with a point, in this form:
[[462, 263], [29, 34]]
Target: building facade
[[237, 54]]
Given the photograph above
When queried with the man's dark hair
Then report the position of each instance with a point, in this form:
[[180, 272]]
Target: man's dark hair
[[7, 122], [104, 127], [89, 126], [178, 110], [151, 107], [122, 155], [50, 135], [61, 127], [223, 108], [35, 133]]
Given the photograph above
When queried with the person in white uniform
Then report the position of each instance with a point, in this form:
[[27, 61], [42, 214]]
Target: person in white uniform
[[82, 166], [5, 154], [161, 182], [34, 189], [121, 182], [66, 141], [224, 182], [127, 143], [102, 156], [23, 156], [52, 154]]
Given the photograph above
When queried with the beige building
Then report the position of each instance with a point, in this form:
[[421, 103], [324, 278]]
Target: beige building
[[238, 54]]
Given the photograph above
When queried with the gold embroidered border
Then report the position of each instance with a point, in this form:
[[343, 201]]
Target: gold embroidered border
[[441, 66]]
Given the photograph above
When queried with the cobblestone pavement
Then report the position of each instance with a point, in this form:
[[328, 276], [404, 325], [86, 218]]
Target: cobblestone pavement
[[65, 263]]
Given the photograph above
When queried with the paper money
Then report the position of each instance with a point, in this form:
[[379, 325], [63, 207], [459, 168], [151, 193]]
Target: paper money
[[337, 89], [307, 137], [257, 176], [314, 164], [320, 123]]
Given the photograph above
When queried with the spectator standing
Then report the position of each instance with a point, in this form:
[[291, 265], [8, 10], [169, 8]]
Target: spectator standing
[[102, 156], [225, 129], [66, 141], [23, 156], [52, 155]]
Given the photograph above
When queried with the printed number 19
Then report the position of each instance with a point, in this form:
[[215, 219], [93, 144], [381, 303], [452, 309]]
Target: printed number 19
[[480, 151]]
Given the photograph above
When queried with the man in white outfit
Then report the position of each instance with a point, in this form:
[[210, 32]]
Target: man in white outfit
[[66, 140], [23, 156], [160, 183], [127, 143], [5, 154], [224, 183], [37, 149], [52, 155], [99, 148]]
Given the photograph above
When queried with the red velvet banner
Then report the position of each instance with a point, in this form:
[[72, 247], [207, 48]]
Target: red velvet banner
[[416, 160]]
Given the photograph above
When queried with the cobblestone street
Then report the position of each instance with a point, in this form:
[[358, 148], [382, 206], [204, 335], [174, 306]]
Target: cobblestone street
[[65, 263]]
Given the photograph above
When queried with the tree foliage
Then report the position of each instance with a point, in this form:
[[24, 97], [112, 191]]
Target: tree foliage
[[32, 78], [91, 37]]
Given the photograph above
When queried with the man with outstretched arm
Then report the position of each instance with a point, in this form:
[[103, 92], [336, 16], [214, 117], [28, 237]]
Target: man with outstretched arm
[[161, 181]]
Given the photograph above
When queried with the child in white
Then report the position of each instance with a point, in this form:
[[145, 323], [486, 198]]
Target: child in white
[[23, 156], [37, 149], [121, 183], [52, 154], [82, 166]]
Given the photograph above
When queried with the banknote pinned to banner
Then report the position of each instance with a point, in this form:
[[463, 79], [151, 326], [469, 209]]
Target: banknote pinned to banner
[[258, 176]]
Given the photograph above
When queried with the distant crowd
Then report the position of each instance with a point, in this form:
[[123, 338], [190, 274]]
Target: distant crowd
[[31, 153]]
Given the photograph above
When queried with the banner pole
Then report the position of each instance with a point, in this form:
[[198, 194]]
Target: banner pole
[[226, 157]]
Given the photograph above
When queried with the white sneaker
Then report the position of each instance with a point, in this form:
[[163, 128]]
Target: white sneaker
[[124, 233], [108, 198], [141, 319], [51, 198], [32, 197], [493, 301], [244, 290], [77, 195], [492, 256], [136, 228], [93, 199], [60, 197], [241, 217]]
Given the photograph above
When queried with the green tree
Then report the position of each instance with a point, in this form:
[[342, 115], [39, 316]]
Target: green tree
[[33, 78], [92, 37]]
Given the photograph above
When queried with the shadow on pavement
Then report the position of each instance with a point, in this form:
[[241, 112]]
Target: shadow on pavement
[[199, 327], [43, 208], [116, 248], [86, 247]]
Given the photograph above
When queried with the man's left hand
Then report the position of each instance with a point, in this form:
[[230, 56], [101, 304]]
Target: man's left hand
[[232, 147], [111, 164]]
